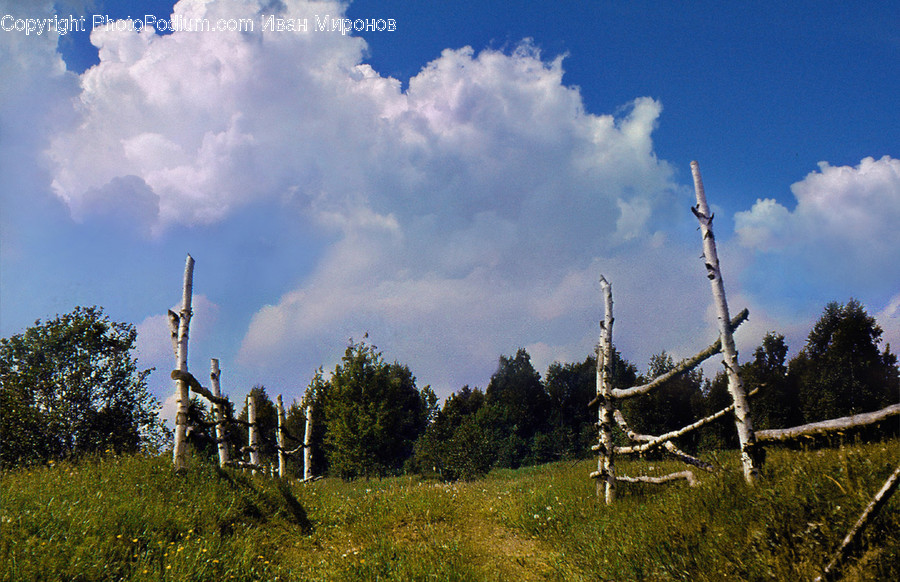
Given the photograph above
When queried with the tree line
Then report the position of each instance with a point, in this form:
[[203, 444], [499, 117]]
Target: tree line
[[71, 386]]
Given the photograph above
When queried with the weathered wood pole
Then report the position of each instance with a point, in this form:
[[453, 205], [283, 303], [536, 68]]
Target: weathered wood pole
[[851, 540], [743, 422], [307, 445], [253, 430], [214, 375], [279, 438], [180, 324], [606, 480]]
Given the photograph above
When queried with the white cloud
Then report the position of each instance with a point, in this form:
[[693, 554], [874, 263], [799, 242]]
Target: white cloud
[[889, 320], [845, 220], [471, 214]]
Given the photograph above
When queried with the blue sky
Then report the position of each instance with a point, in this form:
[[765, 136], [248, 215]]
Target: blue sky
[[454, 187]]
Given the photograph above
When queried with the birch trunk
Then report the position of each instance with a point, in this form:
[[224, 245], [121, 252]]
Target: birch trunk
[[852, 537], [279, 437], [307, 445], [253, 431], [214, 375], [682, 366], [605, 461], [743, 423], [182, 392], [827, 426]]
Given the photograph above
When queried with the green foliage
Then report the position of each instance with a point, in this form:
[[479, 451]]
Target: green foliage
[[456, 445], [372, 414], [842, 371], [776, 405], [71, 386], [517, 393]]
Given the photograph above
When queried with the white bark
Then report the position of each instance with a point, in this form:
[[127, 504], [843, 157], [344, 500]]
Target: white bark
[[686, 474], [307, 445], [743, 422], [254, 430], [605, 461], [682, 366], [827, 426], [214, 375], [650, 441], [852, 537], [279, 436], [179, 449]]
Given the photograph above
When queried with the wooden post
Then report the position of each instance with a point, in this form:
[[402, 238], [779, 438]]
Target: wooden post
[[214, 375], [179, 325], [606, 469], [307, 445], [279, 438], [743, 422], [253, 430]]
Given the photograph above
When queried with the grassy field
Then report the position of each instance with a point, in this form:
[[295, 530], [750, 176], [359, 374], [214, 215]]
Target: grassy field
[[131, 518]]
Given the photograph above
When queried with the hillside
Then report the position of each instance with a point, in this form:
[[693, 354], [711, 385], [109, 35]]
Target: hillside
[[132, 518]]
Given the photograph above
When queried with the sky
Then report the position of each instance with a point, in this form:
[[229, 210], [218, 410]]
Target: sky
[[452, 182]]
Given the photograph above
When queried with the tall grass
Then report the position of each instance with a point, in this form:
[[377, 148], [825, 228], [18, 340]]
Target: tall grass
[[132, 518]]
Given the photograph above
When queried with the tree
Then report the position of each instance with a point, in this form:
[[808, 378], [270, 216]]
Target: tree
[[71, 386], [842, 371], [455, 445], [520, 407], [570, 388], [776, 405], [373, 414]]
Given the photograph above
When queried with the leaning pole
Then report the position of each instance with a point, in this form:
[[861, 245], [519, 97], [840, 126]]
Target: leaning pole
[[179, 324], [742, 419]]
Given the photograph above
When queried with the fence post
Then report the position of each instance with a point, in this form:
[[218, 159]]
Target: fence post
[[253, 430], [742, 420], [307, 445], [179, 325], [279, 437], [214, 375], [606, 469]]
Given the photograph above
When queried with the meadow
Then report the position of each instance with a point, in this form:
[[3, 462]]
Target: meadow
[[132, 518]]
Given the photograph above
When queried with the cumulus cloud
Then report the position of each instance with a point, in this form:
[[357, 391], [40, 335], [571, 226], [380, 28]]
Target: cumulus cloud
[[845, 220], [469, 214]]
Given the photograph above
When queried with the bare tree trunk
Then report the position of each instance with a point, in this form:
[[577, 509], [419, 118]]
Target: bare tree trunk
[[214, 375], [852, 537], [606, 467], [181, 323], [307, 445], [253, 431], [282, 469], [743, 422]]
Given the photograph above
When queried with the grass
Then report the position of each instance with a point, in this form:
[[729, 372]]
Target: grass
[[132, 518]]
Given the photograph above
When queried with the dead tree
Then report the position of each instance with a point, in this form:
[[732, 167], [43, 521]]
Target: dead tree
[[852, 538], [608, 396], [221, 410], [253, 436], [179, 324], [307, 445], [606, 469], [742, 420]]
